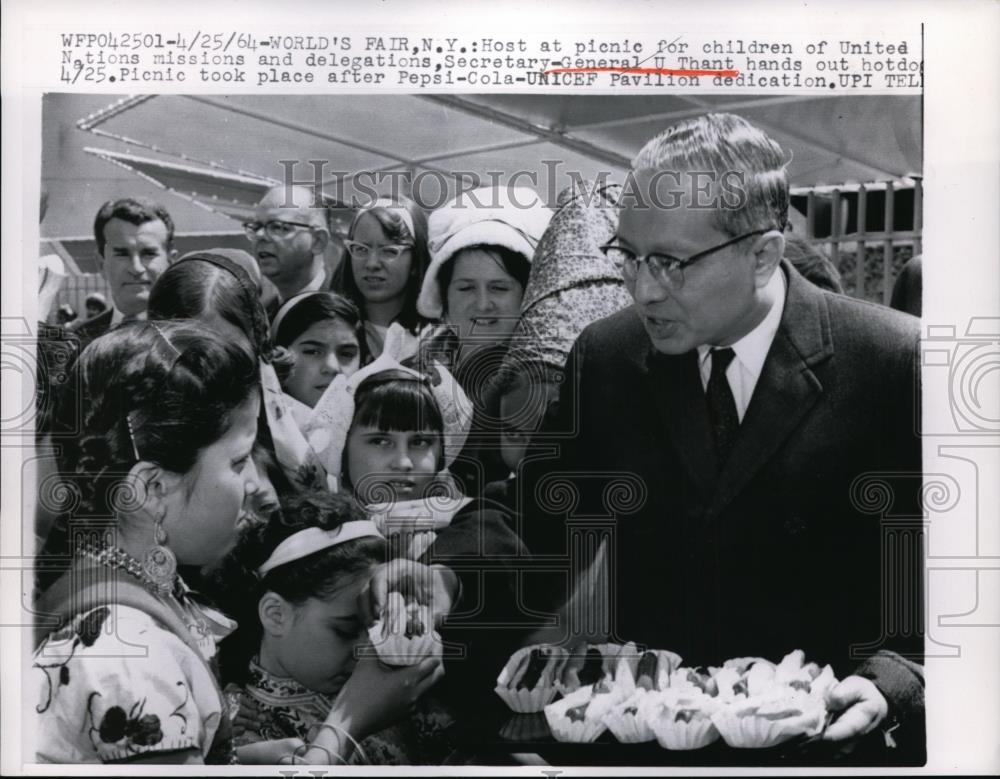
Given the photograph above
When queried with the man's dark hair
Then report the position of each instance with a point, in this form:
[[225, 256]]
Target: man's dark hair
[[135, 211]]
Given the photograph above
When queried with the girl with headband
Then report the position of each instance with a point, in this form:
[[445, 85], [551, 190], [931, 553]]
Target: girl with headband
[[218, 288], [300, 664], [392, 432], [387, 258], [159, 474], [324, 334]]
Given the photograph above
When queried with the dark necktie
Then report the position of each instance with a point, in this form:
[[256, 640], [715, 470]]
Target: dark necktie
[[721, 405]]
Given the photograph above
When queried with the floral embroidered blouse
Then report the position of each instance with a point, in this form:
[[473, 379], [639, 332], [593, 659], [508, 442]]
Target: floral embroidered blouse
[[114, 685], [270, 707]]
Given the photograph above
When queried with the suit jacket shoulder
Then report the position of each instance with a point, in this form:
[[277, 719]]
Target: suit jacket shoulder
[[871, 321], [617, 341], [855, 342], [820, 324]]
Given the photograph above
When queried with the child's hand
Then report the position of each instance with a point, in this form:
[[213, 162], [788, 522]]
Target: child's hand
[[435, 586], [378, 695]]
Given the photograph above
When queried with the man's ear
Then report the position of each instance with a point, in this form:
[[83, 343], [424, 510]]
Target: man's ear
[[768, 251], [320, 239], [275, 613], [171, 257]]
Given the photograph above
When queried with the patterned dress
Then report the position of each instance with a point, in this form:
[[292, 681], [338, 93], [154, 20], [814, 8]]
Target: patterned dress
[[269, 707], [114, 685]]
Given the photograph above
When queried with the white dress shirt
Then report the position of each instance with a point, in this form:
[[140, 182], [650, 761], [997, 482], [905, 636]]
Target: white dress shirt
[[751, 350]]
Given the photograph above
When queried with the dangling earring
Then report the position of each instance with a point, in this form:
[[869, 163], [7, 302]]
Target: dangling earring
[[159, 564]]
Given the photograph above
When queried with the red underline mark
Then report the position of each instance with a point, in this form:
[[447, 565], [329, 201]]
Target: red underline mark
[[649, 71]]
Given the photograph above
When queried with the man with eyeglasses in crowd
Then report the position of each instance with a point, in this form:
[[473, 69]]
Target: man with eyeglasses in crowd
[[743, 412], [289, 235]]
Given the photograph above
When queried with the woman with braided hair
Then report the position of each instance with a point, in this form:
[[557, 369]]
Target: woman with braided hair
[[161, 469], [217, 288]]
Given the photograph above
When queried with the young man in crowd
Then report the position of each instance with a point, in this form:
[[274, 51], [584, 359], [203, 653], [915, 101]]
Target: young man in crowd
[[135, 245]]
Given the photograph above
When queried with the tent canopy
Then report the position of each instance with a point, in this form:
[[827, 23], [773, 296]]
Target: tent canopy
[[217, 154]]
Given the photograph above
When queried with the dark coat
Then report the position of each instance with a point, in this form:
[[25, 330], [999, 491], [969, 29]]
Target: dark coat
[[93, 328], [485, 627], [58, 350], [784, 548]]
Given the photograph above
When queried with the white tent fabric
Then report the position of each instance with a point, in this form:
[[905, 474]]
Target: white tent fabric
[[219, 153]]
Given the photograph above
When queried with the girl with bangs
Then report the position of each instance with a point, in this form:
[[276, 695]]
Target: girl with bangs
[[395, 448], [391, 432]]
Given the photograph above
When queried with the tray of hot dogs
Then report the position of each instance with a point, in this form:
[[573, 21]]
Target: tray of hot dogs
[[617, 693]]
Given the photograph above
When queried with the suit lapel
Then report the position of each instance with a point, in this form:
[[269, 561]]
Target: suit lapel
[[673, 388], [786, 390]]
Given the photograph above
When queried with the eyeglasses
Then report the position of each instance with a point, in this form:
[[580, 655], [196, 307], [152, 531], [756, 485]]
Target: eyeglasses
[[666, 269], [275, 229], [361, 251]]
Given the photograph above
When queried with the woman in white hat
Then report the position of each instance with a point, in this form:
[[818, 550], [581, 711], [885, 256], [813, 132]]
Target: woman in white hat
[[481, 243]]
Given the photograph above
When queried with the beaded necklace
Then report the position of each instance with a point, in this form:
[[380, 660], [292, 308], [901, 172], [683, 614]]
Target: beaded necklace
[[118, 559]]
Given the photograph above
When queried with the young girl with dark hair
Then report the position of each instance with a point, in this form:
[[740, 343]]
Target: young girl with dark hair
[[216, 288], [295, 584], [394, 450], [393, 432], [324, 334], [385, 266], [161, 470]]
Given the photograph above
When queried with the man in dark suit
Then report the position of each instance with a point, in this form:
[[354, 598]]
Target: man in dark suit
[[134, 239], [746, 417], [135, 244]]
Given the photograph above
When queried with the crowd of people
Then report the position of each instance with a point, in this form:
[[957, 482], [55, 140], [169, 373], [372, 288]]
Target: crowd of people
[[264, 450]]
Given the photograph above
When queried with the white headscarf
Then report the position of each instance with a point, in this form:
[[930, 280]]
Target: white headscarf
[[326, 425]]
